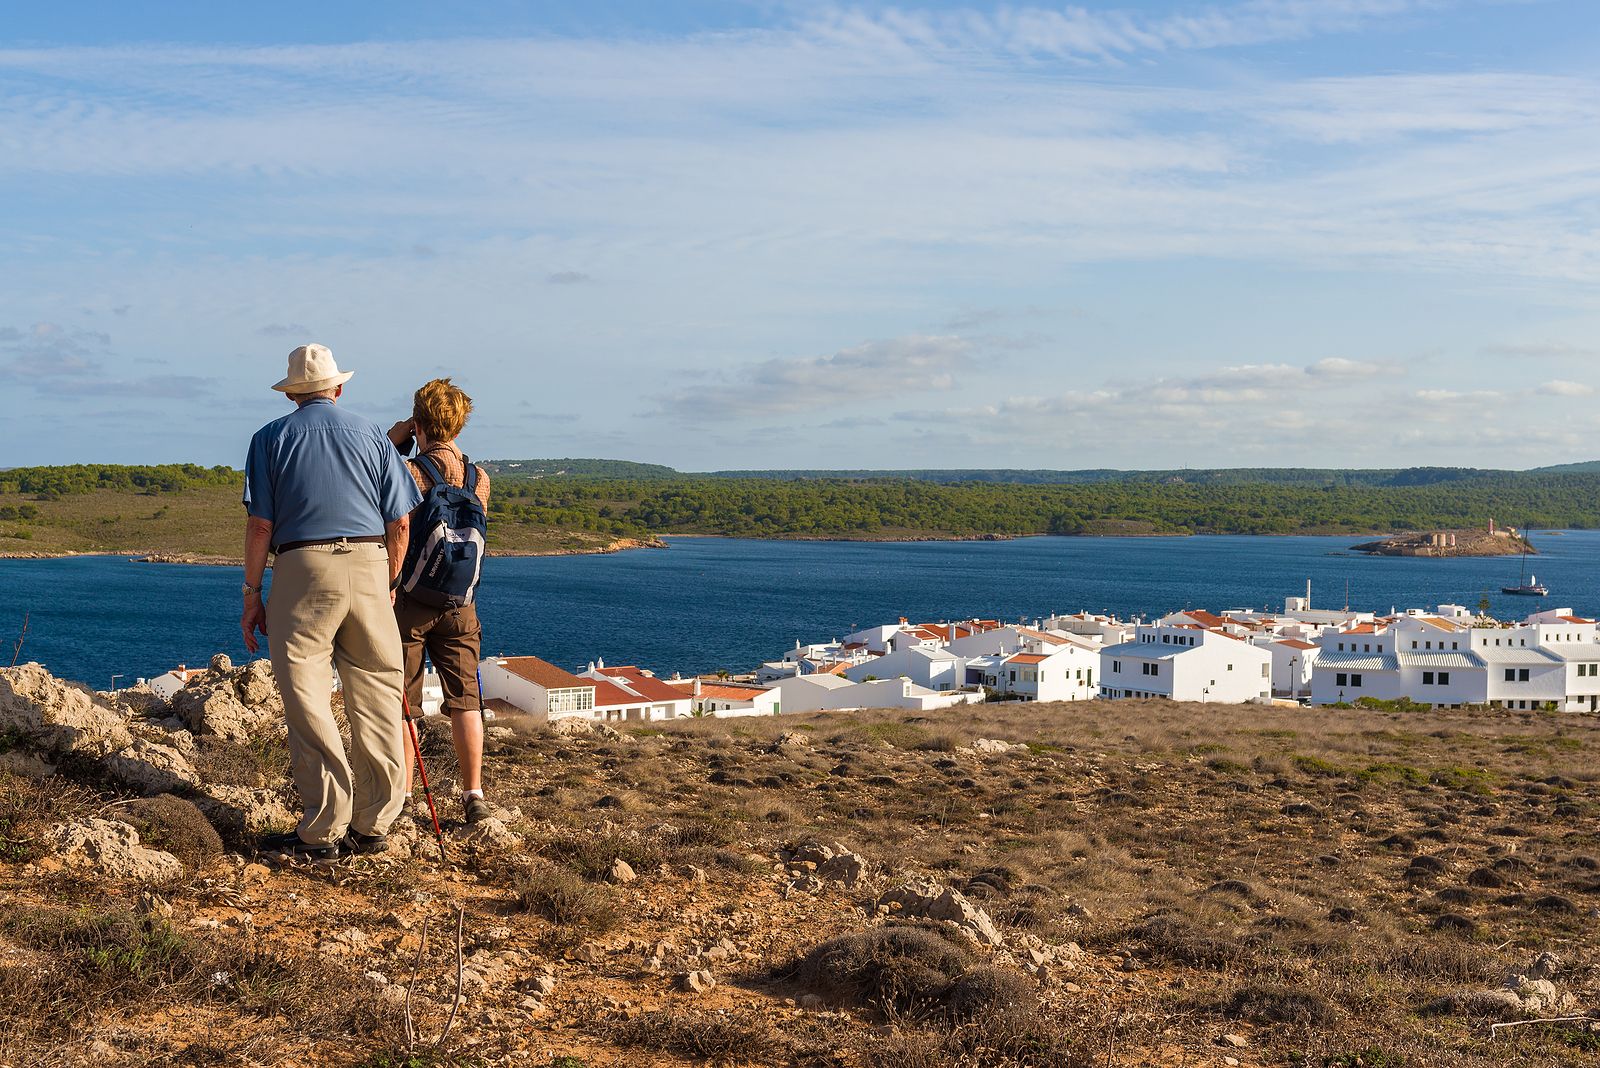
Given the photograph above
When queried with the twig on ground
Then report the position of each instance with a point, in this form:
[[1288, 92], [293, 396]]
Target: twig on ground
[[455, 1006], [411, 1028], [1496, 1028], [16, 650]]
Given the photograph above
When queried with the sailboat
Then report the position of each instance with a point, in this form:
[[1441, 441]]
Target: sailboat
[[1528, 585]]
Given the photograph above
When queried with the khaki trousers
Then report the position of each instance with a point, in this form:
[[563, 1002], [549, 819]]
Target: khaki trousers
[[329, 606]]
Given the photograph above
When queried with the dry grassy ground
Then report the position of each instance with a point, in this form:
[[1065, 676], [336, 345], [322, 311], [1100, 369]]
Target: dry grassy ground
[[207, 522], [1227, 871]]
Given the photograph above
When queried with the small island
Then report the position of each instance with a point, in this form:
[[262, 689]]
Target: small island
[[1449, 543]]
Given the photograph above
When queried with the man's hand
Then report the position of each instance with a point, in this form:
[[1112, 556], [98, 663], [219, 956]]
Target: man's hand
[[252, 619], [402, 434]]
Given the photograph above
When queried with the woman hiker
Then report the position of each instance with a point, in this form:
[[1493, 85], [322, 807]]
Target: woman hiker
[[450, 636]]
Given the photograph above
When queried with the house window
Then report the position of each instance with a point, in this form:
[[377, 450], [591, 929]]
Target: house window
[[1427, 678], [1355, 680], [1155, 669], [1116, 666], [1522, 675], [1341, 679], [1444, 678], [1511, 674]]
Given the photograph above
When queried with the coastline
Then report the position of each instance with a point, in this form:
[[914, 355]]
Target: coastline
[[141, 556], [663, 541]]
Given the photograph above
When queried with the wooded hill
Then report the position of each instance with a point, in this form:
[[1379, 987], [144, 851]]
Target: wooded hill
[[101, 507]]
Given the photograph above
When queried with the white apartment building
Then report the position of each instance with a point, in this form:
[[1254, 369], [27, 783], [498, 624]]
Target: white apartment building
[[1045, 673], [931, 668], [1186, 663], [1449, 659]]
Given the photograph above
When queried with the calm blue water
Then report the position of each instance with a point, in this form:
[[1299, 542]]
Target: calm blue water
[[709, 603]]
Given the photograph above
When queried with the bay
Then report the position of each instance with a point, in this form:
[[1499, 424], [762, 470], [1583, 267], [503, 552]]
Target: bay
[[710, 603]]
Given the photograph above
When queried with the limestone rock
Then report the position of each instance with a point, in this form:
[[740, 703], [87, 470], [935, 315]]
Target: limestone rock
[[27, 765], [935, 901], [232, 703], [245, 810], [113, 848], [846, 867], [58, 718], [216, 709], [698, 982], [991, 747], [622, 871], [489, 835], [152, 768], [137, 701]]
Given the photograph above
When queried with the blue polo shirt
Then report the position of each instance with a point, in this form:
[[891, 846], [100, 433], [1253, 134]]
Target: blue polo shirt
[[321, 472]]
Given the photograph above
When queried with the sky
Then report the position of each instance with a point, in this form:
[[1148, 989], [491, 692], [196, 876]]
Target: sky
[[729, 234]]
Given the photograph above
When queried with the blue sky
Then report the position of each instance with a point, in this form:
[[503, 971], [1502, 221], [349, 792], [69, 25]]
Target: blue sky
[[1251, 232]]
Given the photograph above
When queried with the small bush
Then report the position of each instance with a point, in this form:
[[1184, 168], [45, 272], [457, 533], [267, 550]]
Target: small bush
[[592, 855], [1281, 1004], [174, 825], [909, 968], [744, 1037], [563, 898]]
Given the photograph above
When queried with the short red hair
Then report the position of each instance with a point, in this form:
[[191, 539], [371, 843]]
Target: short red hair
[[440, 410]]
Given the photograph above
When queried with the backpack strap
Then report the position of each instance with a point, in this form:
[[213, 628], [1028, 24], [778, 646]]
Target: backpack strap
[[428, 468], [469, 481]]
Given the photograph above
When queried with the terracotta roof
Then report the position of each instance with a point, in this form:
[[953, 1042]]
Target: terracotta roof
[[1575, 619], [542, 673], [1204, 618], [1361, 628], [646, 686], [1295, 643], [609, 695], [833, 669], [724, 692], [1039, 635], [1028, 658]]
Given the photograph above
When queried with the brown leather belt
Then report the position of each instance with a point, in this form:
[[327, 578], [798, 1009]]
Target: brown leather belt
[[369, 539]]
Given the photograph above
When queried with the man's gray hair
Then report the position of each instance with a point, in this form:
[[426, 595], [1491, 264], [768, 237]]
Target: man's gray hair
[[301, 398]]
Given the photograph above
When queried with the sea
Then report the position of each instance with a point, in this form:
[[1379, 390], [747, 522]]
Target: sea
[[705, 604]]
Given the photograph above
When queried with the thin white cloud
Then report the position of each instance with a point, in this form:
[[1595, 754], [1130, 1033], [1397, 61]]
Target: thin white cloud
[[1563, 388], [894, 367], [1339, 367]]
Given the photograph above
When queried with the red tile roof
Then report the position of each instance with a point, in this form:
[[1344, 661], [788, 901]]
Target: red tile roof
[[646, 686], [1295, 643], [1576, 619], [1028, 658], [607, 695], [542, 673]]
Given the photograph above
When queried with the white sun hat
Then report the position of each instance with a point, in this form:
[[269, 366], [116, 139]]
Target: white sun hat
[[311, 368]]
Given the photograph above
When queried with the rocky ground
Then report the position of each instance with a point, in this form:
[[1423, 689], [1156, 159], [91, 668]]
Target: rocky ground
[[1096, 884]]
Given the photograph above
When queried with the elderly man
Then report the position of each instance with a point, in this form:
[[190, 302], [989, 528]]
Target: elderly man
[[326, 492]]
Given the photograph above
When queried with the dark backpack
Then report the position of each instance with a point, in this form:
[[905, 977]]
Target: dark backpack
[[445, 555]]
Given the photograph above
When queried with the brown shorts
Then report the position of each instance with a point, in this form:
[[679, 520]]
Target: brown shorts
[[451, 638]]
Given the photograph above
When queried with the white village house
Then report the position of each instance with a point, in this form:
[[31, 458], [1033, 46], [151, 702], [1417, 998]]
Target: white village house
[[1186, 663]]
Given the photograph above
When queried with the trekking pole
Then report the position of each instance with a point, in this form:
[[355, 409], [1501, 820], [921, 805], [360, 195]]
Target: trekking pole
[[422, 770]]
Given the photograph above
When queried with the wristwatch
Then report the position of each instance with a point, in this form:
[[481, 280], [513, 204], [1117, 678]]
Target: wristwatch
[[248, 589]]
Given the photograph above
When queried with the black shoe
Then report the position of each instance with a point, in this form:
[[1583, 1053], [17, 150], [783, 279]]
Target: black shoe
[[290, 846], [355, 843], [477, 809]]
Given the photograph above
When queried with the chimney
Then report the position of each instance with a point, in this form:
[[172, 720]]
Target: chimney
[[696, 689], [600, 663], [591, 667]]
